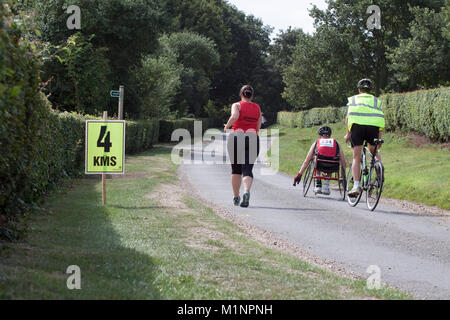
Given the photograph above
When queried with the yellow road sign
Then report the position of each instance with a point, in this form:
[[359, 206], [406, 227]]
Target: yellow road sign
[[105, 147]]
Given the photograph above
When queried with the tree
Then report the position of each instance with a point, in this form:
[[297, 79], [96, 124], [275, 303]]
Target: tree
[[199, 58], [423, 61], [157, 82], [127, 28], [343, 50], [88, 72]]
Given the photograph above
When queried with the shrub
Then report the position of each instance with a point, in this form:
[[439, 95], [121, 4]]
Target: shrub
[[21, 116], [166, 127], [289, 119], [424, 112], [141, 135], [312, 117]]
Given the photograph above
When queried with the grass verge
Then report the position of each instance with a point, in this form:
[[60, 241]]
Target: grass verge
[[155, 241], [414, 173]]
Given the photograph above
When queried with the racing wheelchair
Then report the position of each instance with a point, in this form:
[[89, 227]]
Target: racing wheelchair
[[325, 168]]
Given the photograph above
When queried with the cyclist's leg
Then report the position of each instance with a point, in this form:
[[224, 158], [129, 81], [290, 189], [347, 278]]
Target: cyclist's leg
[[356, 166], [357, 138], [372, 134]]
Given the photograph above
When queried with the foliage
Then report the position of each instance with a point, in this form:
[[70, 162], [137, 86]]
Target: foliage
[[312, 117], [327, 65], [218, 116], [22, 115], [88, 71], [423, 60], [156, 84], [166, 127], [425, 112], [127, 29], [198, 57]]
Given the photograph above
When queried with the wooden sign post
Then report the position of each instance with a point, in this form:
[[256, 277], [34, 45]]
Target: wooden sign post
[[105, 117], [105, 148]]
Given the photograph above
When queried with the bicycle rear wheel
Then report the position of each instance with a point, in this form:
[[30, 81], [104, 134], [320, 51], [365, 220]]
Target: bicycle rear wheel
[[375, 186], [309, 173], [352, 201]]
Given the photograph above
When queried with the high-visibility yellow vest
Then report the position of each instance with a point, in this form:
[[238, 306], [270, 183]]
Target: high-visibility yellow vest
[[365, 109]]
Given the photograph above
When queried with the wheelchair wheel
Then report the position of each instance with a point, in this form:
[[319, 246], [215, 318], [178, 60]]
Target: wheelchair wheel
[[309, 174], [342, 184], [352, 201]]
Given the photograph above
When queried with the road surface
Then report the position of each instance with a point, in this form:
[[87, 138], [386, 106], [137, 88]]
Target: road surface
[[412, 250]]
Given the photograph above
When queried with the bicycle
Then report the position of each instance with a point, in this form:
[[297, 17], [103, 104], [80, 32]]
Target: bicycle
[[372, 179]]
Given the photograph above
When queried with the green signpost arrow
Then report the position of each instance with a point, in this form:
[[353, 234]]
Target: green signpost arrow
[[115, 93]]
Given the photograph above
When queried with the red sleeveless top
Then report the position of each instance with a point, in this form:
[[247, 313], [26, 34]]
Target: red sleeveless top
[[327, 147], [248, 117]]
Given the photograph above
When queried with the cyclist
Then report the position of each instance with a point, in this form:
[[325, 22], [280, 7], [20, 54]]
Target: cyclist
[[364, 122], [325, 148]]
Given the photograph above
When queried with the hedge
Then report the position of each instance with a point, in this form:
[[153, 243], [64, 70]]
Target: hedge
[[61, 142], [424, 112], [312, 117], [166, 127], [21, 116]]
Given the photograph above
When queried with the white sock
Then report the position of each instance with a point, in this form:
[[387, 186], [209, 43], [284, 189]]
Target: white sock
[[356, 184], [327, 183]]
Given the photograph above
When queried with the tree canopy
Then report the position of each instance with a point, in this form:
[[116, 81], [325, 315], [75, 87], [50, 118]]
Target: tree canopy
[[183, 57]]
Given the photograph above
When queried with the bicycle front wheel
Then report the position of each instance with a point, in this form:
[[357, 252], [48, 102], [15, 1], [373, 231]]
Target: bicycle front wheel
[[308, 178], [352, 201], [374, 186]]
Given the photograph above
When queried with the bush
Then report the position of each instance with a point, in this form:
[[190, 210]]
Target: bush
[[141, 135], [21, 116], [288, 119], [425, 112], [166, 127], [312, 117]]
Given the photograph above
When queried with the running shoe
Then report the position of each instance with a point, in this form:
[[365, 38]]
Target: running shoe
[[245, 200], [236, 201]]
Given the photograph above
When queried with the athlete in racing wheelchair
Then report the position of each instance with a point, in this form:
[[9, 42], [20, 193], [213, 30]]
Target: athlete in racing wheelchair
[[329, 163]]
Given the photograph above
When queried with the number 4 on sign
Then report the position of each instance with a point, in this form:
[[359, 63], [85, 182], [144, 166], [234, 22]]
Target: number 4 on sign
[[107, 143]]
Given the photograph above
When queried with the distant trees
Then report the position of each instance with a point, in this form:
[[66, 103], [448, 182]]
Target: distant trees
[[423, 60], [410, 51], [179, 57]]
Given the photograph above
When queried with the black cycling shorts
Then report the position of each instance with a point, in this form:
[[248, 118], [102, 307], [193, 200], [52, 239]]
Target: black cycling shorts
[[360, 133], [241, 157]]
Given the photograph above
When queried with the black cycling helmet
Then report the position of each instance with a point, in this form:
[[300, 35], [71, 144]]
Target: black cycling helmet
[[365, 84], [246, 91], [325, 132]]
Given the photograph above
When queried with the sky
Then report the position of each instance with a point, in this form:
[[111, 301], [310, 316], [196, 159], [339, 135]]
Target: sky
[[281, 14]]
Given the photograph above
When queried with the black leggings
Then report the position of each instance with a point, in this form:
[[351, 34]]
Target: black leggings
[[241, 156]]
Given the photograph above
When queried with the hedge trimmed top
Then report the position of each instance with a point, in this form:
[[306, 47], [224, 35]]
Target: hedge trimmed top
[[424, 112]]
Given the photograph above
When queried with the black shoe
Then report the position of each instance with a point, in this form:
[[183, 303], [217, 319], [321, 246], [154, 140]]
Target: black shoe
[[236, 201], [245, 200]]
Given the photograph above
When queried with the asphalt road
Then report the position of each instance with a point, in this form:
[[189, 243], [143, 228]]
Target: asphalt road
[[412, 250]]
